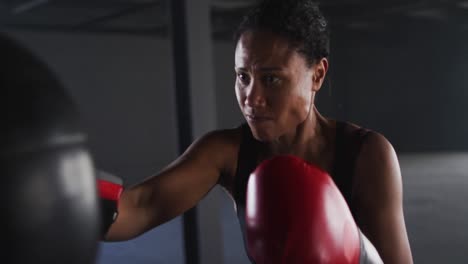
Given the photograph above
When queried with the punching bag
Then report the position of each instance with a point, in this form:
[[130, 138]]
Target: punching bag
[[48, 198]]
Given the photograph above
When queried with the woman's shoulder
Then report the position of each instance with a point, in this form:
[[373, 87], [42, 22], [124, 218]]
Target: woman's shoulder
[[350, 126], [373, 150], [362, 142], [360, 132], [226, 136], [225, 145]]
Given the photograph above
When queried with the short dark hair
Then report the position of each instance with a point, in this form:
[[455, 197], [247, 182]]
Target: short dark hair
[[299, 21]]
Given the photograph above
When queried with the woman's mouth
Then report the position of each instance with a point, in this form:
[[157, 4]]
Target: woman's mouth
[[258, 118]]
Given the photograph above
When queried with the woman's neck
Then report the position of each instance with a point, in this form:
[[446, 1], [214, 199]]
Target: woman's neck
[[308, 138]]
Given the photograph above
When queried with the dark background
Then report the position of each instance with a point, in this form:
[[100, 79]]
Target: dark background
[[398, 67]]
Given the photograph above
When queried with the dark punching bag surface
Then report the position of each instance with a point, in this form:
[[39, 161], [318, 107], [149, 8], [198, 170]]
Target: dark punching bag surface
[[48, 198]]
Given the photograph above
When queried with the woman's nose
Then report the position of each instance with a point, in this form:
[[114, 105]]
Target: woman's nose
[[255, 96]]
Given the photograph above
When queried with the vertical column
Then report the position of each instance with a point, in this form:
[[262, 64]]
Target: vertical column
[[196, 113]]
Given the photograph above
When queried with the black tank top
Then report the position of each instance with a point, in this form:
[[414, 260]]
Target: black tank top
[[347, 146]]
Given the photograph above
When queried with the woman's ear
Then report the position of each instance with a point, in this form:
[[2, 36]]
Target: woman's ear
[[320, 71]]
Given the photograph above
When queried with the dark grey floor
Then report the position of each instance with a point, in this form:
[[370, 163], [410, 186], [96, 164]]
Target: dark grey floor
[[436, 209], [436, 206]]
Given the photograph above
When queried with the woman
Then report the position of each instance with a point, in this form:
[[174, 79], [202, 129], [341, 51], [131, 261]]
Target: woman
[[281, 63]]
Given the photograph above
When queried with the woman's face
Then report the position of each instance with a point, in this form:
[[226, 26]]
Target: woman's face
[[275, 87]]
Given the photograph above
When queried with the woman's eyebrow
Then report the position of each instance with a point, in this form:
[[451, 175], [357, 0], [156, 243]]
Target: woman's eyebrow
[[269, 69], [262, 69]]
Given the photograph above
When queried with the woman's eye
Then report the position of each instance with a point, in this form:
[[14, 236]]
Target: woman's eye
[[271, 79], [244, 78]]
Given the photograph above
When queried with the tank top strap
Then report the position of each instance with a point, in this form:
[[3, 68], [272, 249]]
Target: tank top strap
[[347, 147]]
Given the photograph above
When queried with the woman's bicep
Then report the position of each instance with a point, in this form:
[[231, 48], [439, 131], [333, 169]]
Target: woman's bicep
[[380, 200], [174, 190], [186, 181]]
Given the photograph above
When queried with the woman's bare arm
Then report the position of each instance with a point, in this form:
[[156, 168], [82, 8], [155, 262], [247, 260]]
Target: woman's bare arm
[[380, 200], [176, 189]]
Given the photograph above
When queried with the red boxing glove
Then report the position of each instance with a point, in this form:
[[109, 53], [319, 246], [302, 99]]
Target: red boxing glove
[[110, 189], [296, 214]]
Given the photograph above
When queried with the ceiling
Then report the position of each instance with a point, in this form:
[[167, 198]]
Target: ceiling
[[151, 17]]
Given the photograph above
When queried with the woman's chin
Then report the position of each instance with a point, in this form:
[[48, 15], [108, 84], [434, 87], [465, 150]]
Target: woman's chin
[[263, 135]]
